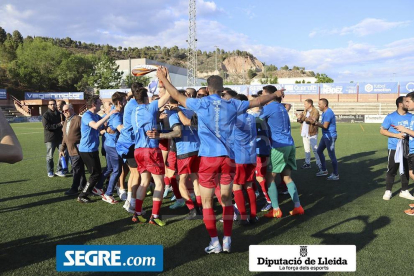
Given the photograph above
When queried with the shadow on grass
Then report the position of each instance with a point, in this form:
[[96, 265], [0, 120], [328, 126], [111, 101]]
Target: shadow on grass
[[32, 195], [37, 249], [36, 204], [15, 181]]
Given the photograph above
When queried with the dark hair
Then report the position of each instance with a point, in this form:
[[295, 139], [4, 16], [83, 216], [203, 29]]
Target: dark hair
[[155, 97], [118, 97], [232, 93], [325, 101], [135, 86], [52, 100], [182, 92], [202, 88], [215, 84], [92, 101], [309, 101], [270, 89], [259, 93], [399, 100], [241, 97], [254, 96], [192, 92], [140, 95], [225, 89], [410, 95]]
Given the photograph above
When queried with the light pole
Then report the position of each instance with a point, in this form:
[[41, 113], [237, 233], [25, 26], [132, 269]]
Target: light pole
[[216, 56]]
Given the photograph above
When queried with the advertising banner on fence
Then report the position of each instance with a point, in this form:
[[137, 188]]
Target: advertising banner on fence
[[3, 94], [406, 87], [349, 118], [53, 95], [378, 87], [338, 88], [374, 118], [297, 89]]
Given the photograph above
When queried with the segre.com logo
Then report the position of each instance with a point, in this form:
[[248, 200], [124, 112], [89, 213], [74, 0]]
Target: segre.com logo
[[148, 258]]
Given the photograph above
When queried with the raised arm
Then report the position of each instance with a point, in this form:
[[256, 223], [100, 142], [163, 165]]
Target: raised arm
[[264, 99], [162, 76], [98, 124]]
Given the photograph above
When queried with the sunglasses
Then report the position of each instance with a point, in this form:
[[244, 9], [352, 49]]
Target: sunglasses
[[201, 95]]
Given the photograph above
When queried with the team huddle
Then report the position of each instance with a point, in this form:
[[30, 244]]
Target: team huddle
[[213, 142]]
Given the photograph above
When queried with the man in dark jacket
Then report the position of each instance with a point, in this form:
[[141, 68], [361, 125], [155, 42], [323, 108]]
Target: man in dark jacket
[[52, 123], [71, 139]]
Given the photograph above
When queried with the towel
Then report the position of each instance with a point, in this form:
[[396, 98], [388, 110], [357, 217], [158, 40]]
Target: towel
[[399, 155]]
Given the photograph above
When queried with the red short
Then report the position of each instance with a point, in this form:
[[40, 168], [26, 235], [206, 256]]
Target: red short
[[188, 165], [261, 165], [149, 159], [212, 167], [244, 173], [172, 161], [163, 144]]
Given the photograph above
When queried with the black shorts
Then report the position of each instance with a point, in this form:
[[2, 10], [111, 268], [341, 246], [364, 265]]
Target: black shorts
[[411, 162]]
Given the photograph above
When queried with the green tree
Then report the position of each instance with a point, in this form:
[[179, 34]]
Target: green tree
[[3, 35], [71, 72], [285, 67], [105, 73], [36, 64], [17, 37], [251, 74], [323, 78], [130, 79]]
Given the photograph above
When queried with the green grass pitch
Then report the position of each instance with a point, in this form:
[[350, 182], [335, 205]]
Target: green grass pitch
[[36, 216]]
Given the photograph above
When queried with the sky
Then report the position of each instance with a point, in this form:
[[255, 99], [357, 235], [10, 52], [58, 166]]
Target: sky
[[347, 40]]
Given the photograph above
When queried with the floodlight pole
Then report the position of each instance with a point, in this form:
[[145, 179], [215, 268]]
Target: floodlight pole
[[192, 45]]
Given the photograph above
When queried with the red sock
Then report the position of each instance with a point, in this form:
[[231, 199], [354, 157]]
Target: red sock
[[228, 212], [198, 199], [217, 192], [156, 205], [210, 222], [190, 204], [264, 190], [174, 185], [252, 200], [167, 181], [241, 204], [138, 205]]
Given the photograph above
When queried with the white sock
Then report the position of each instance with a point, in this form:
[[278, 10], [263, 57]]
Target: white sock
[[122, 191], [226, 239], [214, 240], [129, 196]]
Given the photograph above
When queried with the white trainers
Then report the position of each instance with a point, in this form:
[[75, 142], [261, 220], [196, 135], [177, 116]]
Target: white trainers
[[227, 245], [322, 173], [109, 199], [387, 195], [97, 192], [406, 194], [333, 177], [213, 248]]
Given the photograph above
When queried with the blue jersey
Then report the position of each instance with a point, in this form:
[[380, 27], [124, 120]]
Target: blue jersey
[[143, 119], [262, 140], [279, 124], [329, 116], [189, 141], [216, 119], [245, 139], [127, 133], [114, 121], [89, 136], [397, 120]]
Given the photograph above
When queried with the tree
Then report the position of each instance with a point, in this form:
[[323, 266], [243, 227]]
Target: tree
[[36, 64], [295, 68], [17, 37], [130, 79], [105, 73], [3, 35], [251, 74], [71, 71], [285, 67], [323, 78]]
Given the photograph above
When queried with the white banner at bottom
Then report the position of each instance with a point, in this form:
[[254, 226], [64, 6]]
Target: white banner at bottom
[[302, 258]]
